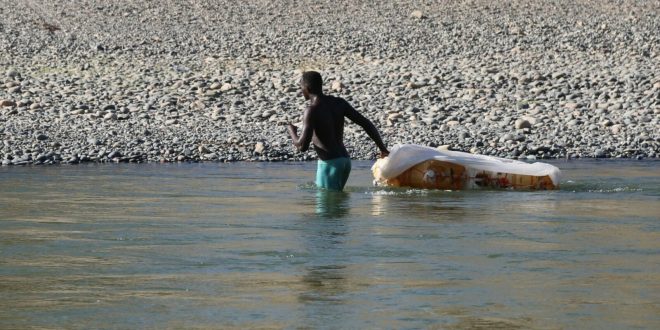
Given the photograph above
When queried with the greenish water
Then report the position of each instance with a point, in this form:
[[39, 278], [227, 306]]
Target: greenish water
[[251, 245]]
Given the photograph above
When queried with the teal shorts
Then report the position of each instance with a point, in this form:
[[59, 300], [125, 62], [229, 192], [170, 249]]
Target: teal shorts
[[333, 173]]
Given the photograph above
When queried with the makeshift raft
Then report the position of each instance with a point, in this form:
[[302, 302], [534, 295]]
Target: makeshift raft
[[422, 167]]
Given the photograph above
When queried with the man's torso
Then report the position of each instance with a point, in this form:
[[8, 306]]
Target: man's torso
[[328, 125]]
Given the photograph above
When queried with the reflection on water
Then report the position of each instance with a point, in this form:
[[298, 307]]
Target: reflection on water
[[331, 204], [419, 204], [244, 246], [326, 279]]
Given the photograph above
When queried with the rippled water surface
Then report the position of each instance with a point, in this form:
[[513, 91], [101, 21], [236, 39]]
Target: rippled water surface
[[252, 245]]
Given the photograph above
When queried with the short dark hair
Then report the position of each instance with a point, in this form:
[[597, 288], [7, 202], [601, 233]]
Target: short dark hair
[[312, 81]]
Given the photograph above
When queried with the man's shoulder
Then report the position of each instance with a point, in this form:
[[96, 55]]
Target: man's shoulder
[[336, 101], [328, 101]]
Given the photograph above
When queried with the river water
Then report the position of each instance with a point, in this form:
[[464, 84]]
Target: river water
[[250, 245]]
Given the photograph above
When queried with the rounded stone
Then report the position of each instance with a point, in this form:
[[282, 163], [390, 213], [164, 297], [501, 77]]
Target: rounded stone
[[259, 148], [7, 103], [417, 14], [522, 123], [507, 137]]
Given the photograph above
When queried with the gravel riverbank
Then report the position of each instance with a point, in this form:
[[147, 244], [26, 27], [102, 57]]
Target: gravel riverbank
[[215, 80]]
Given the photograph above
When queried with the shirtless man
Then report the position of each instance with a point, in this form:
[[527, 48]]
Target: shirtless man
[[323, 124]]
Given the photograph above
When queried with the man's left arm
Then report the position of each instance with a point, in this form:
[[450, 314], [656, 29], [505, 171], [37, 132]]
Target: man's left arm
[[368, 127]]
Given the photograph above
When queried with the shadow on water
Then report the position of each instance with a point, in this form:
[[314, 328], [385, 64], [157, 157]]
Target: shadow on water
[[324, 283]]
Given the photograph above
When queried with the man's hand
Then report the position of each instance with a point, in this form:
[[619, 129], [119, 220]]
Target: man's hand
[[292, 128], [384, 154], [293, 133]]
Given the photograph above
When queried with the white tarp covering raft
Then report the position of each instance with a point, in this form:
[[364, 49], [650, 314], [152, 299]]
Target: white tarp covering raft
[[416, 166]]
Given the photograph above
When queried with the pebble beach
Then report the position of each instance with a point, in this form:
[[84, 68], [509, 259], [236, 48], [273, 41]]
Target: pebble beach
[[202, 80]]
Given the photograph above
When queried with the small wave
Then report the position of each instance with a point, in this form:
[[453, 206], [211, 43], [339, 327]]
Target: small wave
[[381, 193], [307, 186], [602, 187], [401, 192], [615, 190]]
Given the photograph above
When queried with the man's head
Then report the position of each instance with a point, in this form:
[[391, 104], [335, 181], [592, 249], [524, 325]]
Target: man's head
[[311, 83]]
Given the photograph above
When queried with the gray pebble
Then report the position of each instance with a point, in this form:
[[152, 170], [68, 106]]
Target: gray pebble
[[114, 154], [522, 123]]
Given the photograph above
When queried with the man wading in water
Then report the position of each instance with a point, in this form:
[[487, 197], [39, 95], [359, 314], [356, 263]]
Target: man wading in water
[[323, 124]]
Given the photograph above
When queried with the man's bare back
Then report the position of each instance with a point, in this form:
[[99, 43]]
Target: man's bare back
[[325, 117]]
